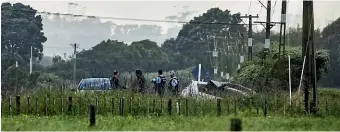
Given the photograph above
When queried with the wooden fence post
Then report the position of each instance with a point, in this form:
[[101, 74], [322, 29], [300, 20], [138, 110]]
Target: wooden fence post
[[186, 107], [92, 115], [153, 105], [265, 108], [219, 109], [62, 105], [80, 105], [70, 105], [104, 102], [97, 107], [10, 105], [236, 125], [28, 104], [36, 105], [45, 105], [112, 105], [169, 106], [235, 108], [327, 110], [54, 112], [121, 106], [130, 105], [161, 105], [228, 107], [18, 104], [179, 107]]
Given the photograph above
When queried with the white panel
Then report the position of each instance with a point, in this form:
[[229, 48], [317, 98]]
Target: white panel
[[267, 44], [16, 64], [283, 17], [250, 42], [221, 74], [238, 66], [215, 70], [241, 59]]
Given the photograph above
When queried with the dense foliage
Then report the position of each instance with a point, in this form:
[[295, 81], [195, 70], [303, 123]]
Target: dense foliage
[[273, 73]]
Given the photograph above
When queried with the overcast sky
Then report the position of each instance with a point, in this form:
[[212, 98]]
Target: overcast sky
[[324, 11]]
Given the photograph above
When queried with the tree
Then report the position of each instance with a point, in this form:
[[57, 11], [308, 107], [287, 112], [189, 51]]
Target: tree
[[21, 28], [331, 39], [195, 38]]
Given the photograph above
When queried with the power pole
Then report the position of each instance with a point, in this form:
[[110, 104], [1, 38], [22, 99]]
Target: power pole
[[31, 59], [75, 46], [250, 35], [282, 40], [268, 27], [309, 75]]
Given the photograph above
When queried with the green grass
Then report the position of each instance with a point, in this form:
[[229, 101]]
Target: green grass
[[212, 123]]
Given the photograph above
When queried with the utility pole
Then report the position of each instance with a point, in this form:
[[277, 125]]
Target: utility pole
[[75, 46], [250, 35], [16, 77], [215, 55], [282, 41], [309, 74], [31, 59], [268, 27]]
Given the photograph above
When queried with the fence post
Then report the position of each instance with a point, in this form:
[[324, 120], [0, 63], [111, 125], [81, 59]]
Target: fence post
[[18, 104], [92, 115], [112, 105], [36, 105], [10, 105], [62, 105], [97, 105], [45, 105], [179, 107], [54, 112], [186, 107], [130, 105], [327, 111], [104, 103], [235, 125], [228, 107], [121, 106], [161, 105], [265, 108], [28, 104], [169, 106], [219, 109], [153, 105], [70, 104], [235, 108], [80, 105]]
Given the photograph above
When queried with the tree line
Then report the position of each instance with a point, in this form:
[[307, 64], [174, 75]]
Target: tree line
[[22, 28]]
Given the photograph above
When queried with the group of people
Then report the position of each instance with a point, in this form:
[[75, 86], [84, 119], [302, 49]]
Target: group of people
[[159, 83]]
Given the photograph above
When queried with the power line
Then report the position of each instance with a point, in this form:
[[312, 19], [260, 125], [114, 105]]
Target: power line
[[274, 8], [131, 19], [249, 6]]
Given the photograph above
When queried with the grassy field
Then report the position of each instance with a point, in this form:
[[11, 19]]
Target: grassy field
[[212, 123]]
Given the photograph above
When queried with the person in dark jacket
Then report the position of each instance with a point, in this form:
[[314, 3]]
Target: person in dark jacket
[[140, 81], [160, 82], [174, 84], [114, 80]]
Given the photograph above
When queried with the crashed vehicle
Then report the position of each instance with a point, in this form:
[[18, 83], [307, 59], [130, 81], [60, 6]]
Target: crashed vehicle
[[212, 87], [92, 84]]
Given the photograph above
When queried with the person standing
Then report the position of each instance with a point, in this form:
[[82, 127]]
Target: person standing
[[160, 82], [140, 81], [173, 84], [114, 80]]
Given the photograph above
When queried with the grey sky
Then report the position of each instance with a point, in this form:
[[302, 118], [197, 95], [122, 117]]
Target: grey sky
[[325, 11]]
